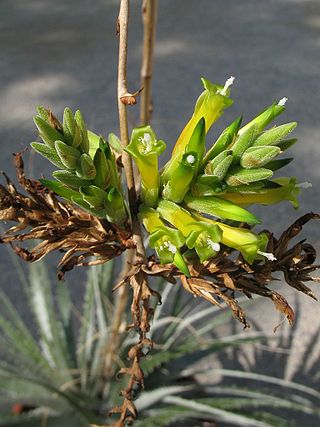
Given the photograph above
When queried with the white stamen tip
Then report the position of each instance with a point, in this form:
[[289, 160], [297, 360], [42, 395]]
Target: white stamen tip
[[213, 245], [283, 101], [304, 185], [226, 86], [268, 255], [170, 247], [191, 159]]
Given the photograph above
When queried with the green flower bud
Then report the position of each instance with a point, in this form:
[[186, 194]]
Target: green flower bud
[[68, 125], [86, 168], [47, 133], [265, 117], [70, 179], [116, 208], [43, 113], [219, 165], [145, 149], [239, 176], [255, 157], [77, 137], [48, 152], [94, 196], [243, 142], [179, 183], [102, 178], [69, 156], [275, 135], [220, 208], [61, 189], [224, 140], [84, 132]]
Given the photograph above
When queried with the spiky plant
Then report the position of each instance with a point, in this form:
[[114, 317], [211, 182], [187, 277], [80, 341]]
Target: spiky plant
[[53, 375]]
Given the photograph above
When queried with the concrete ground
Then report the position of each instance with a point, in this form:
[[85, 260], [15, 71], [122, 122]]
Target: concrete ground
[[64, 53]]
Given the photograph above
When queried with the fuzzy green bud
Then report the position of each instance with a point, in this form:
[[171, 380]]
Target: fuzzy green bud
[[48, 152], [240, 176], [69, 156], [275, 135], [255, 157], [47, 133], [86, 168], [220, 208], [243, 142], [70, 179]]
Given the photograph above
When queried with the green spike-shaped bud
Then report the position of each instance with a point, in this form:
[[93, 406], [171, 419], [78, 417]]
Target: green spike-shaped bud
[[68, 125], [240, 176], [116, 208], [47, 133], [220, 164], [70, 179], [224, 140], [48, 152], [102, 178], [69, 156], [86, 168], [84, 132], [275, 135], [255, 157], [220, 208], [242, 143], [94, 196]]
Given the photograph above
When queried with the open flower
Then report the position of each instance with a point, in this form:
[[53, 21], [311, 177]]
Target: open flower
[[165, 240], [145, 149]]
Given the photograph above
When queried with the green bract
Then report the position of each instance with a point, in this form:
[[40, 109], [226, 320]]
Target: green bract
[[235, 172]]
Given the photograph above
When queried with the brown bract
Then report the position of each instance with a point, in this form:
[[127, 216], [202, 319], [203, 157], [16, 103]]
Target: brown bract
[[40, 214]]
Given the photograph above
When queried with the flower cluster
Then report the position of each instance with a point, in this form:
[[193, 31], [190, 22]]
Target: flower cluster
[[198, 200], [88, 175]]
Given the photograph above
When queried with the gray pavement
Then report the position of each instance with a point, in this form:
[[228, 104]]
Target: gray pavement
[[58, 53]]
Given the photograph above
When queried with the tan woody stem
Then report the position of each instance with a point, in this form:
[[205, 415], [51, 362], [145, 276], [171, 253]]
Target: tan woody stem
[[149, 18]]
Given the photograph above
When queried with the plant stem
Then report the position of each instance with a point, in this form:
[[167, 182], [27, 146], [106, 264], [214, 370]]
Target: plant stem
[[149, 18], [123, 121], [120, 308]]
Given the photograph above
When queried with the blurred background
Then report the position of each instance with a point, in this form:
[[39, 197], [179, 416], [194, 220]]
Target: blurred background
[[58, 53]]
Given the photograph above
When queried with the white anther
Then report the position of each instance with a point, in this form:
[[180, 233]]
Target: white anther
[[268, 255], [304, 185], [170, 247], [191, 159], [226, 86], [213, 245], [147, 143], [283, 101]]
